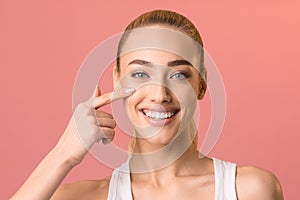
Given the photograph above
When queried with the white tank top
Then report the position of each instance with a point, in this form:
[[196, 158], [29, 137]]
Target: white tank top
[[225, 173]]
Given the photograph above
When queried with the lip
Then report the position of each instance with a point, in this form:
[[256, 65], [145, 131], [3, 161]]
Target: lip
[[157, 122]]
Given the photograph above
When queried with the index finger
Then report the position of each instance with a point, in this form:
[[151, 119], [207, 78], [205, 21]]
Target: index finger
[[107, 98]]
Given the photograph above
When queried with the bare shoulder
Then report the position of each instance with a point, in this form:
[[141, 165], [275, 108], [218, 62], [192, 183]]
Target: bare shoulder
[[256, 183], [90, 189]]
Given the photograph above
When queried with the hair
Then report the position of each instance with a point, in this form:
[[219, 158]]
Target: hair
[[172, 20]]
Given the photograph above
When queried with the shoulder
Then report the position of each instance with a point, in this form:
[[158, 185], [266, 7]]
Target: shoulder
[[90, 189], [255, 183]]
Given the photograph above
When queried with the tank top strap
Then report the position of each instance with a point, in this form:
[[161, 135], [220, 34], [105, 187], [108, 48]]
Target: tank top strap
[[120, 183], [225, 174]]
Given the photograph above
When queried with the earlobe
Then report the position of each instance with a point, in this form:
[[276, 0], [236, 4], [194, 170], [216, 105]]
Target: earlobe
[[202, 90], [203, 85], [200, 94]]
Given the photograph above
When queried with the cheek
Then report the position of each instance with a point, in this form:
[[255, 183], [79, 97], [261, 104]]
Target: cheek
[[187, 99], [185, 93], [131, 103]]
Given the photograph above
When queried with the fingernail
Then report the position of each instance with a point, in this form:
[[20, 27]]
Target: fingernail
[[129, 90]]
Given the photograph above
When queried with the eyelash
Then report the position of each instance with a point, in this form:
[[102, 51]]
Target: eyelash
[[145, 75], [137, 75], [185, 74]]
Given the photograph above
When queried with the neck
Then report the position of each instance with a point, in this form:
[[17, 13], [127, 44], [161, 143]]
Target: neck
[[151, 155], [188, 164], [160, 163]]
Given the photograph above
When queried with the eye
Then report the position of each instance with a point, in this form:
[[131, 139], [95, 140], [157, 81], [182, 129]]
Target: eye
[[180, 75], [140, 75]]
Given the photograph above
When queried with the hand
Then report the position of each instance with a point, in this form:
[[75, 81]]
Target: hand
[[89, 125]]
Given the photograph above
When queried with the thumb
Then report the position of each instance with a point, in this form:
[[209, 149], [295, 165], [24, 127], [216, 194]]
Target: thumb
[[97, 92]]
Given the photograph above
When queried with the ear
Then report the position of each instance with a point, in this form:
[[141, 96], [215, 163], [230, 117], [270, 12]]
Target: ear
[[202, 87], [116, 75]]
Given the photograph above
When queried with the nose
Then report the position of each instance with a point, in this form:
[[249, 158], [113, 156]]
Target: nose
[[159, 94]]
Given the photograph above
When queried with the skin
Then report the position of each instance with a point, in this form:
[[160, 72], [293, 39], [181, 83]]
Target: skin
[[186, 178], [69, 151]]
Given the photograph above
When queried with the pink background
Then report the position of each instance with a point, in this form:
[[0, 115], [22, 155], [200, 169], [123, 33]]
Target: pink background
[[255, 45]]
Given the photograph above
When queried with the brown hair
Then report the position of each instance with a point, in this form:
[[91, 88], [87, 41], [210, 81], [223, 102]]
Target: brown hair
[[171, 20], [161, 17]]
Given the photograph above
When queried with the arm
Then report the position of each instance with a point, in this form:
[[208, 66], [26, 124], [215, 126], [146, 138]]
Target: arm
[[258, 184], [92, 189], [87, 126], [46, 177]]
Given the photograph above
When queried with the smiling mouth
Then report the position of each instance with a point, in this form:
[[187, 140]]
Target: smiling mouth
[[158, 115]]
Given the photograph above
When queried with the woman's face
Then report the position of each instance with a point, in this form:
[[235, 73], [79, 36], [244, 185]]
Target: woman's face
[[166, 93]]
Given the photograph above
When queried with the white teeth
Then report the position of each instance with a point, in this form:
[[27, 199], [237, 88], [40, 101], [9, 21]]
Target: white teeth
[[162, 115], [165, 115], [159, 115]]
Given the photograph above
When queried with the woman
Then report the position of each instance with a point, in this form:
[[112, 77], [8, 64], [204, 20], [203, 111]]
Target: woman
[[160, 89]]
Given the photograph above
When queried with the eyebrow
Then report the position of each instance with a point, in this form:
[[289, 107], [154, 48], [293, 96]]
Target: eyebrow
[[179, 62], [170, 64], [141, 62]]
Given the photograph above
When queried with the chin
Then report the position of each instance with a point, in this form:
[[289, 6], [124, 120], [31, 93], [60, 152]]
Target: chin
[[160, 140]]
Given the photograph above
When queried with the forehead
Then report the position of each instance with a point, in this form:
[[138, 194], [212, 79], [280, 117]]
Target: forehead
[[173, 43], [156, 56]]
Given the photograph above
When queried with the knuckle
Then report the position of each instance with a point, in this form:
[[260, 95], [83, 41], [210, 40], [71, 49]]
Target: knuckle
[[91, 119], [113, 133], [114, 123], [109, 115], [92, 111], [82, 109], [103, 130], [98, 112], [85, 111], [109, 132]]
